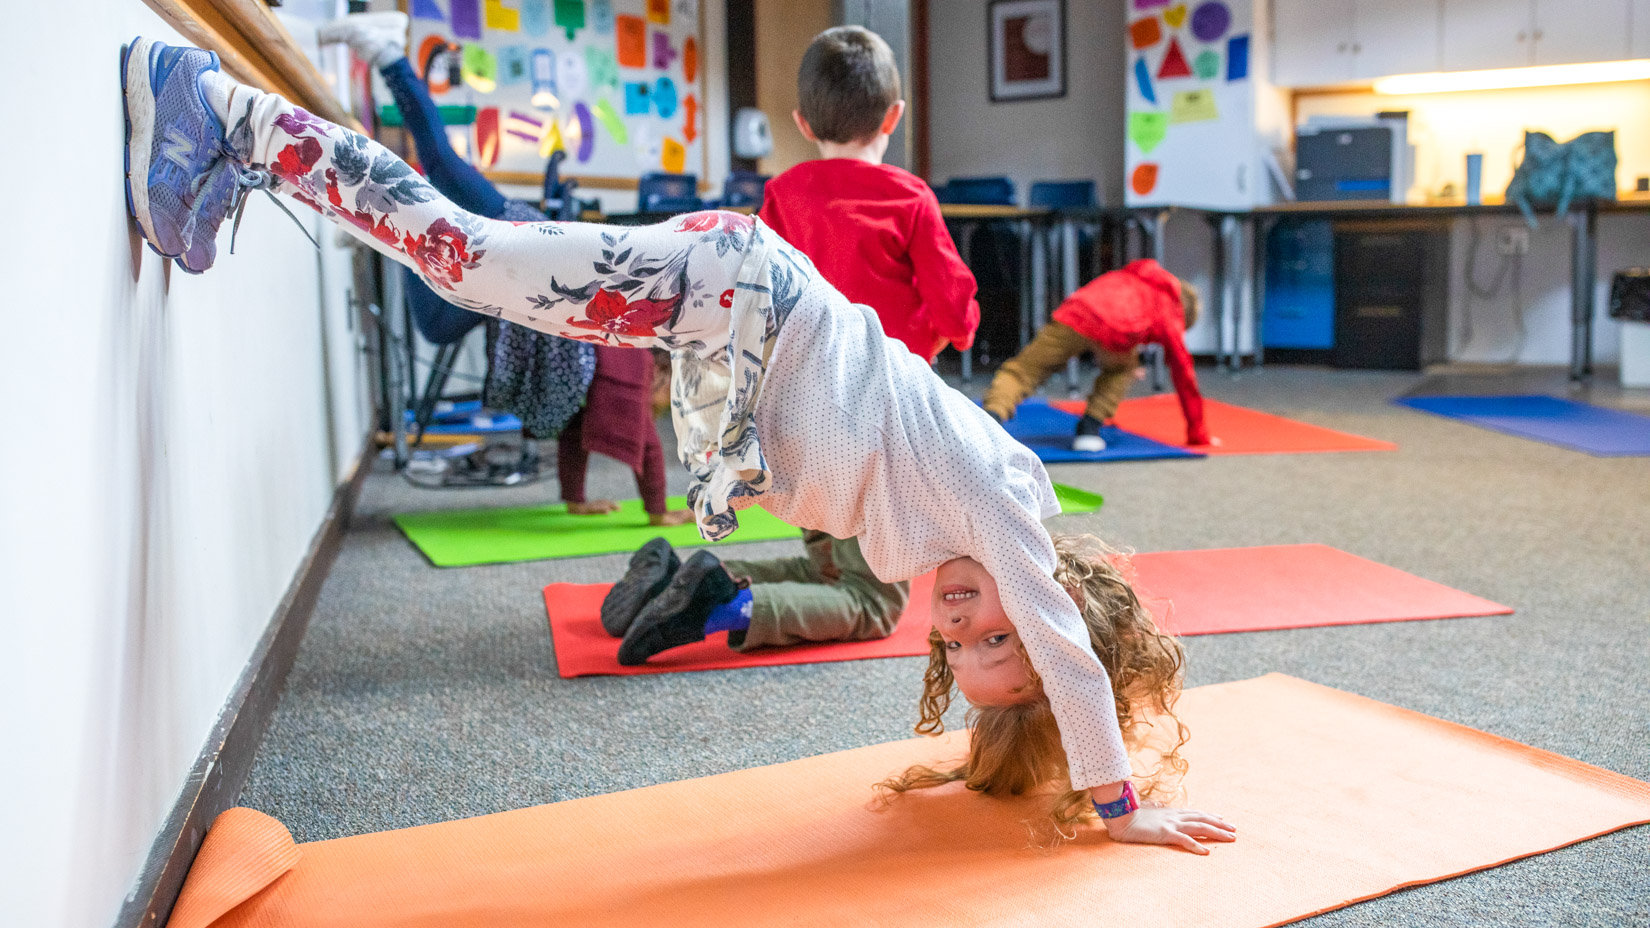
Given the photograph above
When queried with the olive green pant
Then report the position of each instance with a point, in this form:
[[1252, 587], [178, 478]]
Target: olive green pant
[[1054, 345], [829, 595]]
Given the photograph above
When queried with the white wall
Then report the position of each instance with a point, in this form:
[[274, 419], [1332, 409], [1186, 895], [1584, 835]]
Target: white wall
[[1076, 136], [174, 444]]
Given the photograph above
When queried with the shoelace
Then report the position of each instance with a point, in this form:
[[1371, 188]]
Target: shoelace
[[248, 179]]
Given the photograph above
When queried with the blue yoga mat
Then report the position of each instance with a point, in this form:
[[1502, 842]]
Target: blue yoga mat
[[1048, 431], [466, 418], [1566, 423]]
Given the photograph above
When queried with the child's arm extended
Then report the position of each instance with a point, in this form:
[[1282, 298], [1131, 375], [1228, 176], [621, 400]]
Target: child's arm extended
[[1016, 550], [944, 282], [1185, 385]]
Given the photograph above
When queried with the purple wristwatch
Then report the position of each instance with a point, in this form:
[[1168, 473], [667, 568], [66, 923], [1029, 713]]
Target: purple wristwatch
[[1121, 806]]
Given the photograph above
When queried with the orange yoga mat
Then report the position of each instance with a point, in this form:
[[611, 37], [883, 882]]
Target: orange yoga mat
[[1336, 799], [1240, 430], [584, 649], [1191, 592], [1289, 586]]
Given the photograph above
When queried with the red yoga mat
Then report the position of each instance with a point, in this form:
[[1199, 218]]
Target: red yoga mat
[[1191, 592], [1240, 430], [1289, 586]]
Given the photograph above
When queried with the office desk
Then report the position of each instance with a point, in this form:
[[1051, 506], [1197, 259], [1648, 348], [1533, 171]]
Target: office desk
[[1034, 286], [1582, 218]]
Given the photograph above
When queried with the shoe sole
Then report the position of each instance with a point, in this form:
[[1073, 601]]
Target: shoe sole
[[138, 106], [630, 597]]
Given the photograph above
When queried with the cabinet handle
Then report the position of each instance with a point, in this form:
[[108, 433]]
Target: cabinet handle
[[1357, 47], [1537, 35], [1340, 49], [1521, 37]]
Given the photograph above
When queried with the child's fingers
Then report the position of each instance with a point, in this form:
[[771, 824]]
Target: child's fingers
[[1207, 818], [1205, 830], [1183, 840]]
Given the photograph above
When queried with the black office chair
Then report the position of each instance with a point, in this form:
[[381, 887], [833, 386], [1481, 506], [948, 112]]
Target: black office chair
[[668, 193]]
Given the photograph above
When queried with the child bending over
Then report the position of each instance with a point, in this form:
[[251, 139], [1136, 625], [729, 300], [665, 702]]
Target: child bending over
[[1112, 315], [1014, 743], [784, 394]]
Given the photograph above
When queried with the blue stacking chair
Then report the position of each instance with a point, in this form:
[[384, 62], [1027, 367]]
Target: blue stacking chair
[[668, 193], [744, 188], [990, 191], [1062, 194]]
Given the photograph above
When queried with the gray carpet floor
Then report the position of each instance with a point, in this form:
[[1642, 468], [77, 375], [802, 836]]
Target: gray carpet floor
[[422, 694]]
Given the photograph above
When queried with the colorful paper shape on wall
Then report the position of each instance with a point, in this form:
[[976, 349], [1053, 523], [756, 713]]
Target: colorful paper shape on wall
[[688, 10], [1143, 79], [1150, 4], [663, 52], [601, 16], [674, 157], [1144, 178], [664, 97], [582, 126], [1207, 64], [645, 143], [690, 117], [524, 126], [631, 41], [1144, 33], [612, 121], [466, 18], [512, 64], [1210, 20], [690, 59], [1174, 62], [1175, 16], [1237, 57], [1193, 106], [542, 72], [603, 70], [1147, 129], [480, 68], [486, 137], [535, 17], [501, 17], [437, 79], [658, 11], [427, 9], [635, 99], [570, 16], [552, 141], [570, 75]]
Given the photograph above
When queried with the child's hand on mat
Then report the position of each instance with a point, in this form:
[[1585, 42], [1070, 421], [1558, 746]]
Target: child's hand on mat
[[1182, 828]]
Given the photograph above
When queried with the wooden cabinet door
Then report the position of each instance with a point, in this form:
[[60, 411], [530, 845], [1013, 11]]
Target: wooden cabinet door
[[1312, 42], [1480, 34], [1568, 31], [1395, 37]]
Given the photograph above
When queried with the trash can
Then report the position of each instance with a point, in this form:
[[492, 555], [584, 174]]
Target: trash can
[[1630, 304]]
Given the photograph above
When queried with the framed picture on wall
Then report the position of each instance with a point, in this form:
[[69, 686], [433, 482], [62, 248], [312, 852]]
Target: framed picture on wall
[[1028, 49]]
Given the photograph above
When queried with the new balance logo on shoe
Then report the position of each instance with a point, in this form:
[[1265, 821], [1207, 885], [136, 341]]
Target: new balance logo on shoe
[[178, 148]]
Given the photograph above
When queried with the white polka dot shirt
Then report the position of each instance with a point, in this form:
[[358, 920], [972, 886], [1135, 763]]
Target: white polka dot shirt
[[863, 439]]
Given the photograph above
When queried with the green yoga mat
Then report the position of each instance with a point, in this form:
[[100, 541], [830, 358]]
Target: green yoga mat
[[466, 537]]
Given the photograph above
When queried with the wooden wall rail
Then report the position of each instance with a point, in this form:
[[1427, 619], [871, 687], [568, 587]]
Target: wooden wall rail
[[255, 49]]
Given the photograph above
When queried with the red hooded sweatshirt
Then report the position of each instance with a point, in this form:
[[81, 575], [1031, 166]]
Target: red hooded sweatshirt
[[876, 233], [1135, 305]]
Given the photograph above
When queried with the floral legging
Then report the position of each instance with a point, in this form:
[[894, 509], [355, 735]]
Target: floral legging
[[713, 287], [665, 285]]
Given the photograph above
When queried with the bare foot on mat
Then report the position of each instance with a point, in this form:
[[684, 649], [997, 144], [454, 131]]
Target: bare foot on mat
[[673, 517], [594, 507]]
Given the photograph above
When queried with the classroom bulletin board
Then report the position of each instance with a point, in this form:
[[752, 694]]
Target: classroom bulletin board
[[617, 84]]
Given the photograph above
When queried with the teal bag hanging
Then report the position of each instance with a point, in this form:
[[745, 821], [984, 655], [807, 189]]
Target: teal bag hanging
[[1555, 175]]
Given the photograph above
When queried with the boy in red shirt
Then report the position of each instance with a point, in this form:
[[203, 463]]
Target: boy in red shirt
[[873, 230], [1112, 315]]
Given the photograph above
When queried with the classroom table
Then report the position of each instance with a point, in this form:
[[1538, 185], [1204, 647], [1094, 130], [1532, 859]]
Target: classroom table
[[966, 219], [1582, 218]]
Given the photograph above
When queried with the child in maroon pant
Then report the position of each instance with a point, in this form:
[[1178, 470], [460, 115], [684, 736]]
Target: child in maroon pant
[[872, 229]]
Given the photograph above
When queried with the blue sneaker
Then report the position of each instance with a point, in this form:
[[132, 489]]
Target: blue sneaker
[[180, 179]]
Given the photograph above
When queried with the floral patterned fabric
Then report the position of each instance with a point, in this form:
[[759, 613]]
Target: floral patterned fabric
[[713, 288]]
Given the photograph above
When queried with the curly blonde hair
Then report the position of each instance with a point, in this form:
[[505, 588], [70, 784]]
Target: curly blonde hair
[[1014, 750]]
